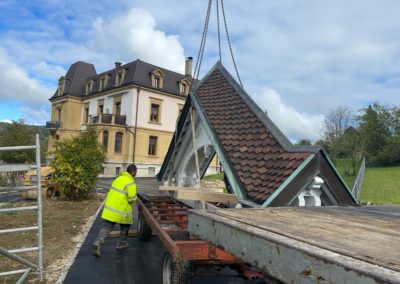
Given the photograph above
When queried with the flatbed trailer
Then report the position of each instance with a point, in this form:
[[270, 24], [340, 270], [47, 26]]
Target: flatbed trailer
[[309, 244], [168, 219]]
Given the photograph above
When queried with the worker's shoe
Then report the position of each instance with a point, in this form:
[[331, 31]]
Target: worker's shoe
[[96, 247], [121, 245]]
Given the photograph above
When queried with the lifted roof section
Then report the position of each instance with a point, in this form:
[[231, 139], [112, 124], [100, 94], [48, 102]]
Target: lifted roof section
[[256, 156]]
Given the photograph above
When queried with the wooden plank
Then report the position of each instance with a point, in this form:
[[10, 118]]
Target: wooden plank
[[283, 257], [203, 189], [207, 196], [131, 233], [362, 234]]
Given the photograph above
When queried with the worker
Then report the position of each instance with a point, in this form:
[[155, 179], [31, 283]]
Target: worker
[[118, 209]]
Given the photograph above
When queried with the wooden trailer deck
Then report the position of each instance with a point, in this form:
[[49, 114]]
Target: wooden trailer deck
[[308, 245]]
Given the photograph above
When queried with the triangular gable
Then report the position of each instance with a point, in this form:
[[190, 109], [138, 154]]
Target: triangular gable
[[257, 158]]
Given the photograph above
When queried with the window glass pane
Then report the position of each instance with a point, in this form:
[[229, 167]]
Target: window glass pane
[[105, 140], [118, 142], [154, 114], [118, 108], [153, 145]]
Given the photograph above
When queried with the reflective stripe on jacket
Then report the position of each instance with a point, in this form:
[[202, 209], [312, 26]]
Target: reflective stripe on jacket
[[117, 207]]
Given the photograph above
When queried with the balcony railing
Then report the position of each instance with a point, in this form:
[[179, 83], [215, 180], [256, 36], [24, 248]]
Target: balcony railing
[[106, 118], [53, 124], [120, 119]]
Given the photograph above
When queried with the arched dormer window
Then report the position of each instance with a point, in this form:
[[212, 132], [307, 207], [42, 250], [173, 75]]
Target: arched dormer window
[[157, 79], [89, 87], [120, 77], [103, 82], [61, 85], [184, 85]]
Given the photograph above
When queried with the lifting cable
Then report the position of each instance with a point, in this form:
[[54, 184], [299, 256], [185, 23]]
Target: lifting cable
[[204, 39], [229, 42]]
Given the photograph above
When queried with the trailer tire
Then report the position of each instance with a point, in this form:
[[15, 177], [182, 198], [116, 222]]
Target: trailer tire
[[144, 230], [176, 273]]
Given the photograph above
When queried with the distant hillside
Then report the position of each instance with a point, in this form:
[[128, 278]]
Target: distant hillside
[[40, 129]]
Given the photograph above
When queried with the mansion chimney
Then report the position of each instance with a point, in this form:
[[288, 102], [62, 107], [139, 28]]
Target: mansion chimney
[[188, 66]]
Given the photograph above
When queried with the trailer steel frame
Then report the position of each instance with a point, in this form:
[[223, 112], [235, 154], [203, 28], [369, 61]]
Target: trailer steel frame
[[168, 219]]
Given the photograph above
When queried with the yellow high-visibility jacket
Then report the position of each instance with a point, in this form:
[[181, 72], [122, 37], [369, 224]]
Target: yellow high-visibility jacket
[[118, 204]]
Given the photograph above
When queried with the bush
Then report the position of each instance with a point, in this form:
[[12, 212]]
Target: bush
[[78, 162]]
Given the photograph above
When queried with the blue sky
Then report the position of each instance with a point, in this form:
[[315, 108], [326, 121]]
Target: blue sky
[[297, 59]]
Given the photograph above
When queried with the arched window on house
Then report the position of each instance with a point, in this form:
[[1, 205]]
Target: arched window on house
[[105, 140], [118, 142]]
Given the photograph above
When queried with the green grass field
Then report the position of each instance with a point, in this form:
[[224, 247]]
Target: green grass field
[[219, 176], [381, 185]]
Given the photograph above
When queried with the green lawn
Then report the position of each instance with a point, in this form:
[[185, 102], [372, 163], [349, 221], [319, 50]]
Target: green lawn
[[219, 176], [381, 185]]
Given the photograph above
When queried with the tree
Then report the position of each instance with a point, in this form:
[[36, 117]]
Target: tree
[[334, 126], [304, 142], [373, 129], [17, 133], [78, 162], [350, 147]]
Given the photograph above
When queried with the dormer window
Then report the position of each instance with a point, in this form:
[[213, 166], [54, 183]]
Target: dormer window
[[89, 87], [184, 87], [119, 78], [103, 83], [61, 86], [157, 82], [157, 79]]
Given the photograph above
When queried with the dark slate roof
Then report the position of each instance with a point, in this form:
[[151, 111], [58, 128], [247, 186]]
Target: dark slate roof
[[137, 72], [75, 79], [261, 155]]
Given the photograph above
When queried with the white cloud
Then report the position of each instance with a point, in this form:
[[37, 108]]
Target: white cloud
[[48, 71], [6, 120], [294, 124], [16, 84], [35, 114], [134, 35]]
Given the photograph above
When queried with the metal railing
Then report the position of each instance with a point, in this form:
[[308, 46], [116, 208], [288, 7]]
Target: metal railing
[[359, 179], [107, 118], [53, 124], [12, 254]]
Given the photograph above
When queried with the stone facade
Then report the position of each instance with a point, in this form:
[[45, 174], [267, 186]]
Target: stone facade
[[133, 111]]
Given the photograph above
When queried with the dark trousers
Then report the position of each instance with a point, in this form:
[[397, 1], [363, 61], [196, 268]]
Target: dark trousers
[[107, 227]]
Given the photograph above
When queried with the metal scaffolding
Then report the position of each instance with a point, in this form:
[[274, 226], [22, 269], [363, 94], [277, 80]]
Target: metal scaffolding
[[12, 254]]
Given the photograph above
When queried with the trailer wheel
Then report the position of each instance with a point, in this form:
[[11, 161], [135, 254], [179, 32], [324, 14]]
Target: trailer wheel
[[144, 230], [176, 273]]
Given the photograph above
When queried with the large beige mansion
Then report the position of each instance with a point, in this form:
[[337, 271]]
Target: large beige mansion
[[133, 108]]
